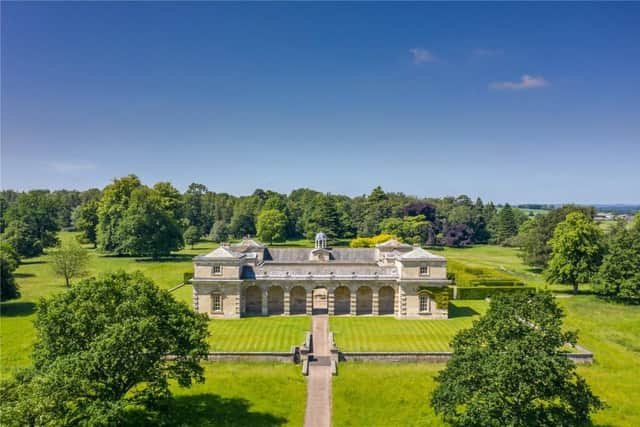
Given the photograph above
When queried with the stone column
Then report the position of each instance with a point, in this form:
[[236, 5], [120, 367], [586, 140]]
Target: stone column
[[352, 308], [310, 302], [375, 302], [265, 301], [287, 302], [331, 301]]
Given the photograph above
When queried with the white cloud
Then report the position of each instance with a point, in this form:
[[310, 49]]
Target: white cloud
[[69, 167], [421, 55], [487, 52], [526, 82]]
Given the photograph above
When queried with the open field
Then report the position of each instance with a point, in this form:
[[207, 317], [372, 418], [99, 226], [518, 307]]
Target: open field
[[258, 333], [390, 334]]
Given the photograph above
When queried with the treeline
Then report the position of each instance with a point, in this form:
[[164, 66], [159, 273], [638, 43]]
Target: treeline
[[127, 217]]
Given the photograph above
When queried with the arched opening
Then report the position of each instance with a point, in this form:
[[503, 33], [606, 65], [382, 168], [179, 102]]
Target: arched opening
[[253, 300], [319, 301], [386, 297], [275, 300], [342, 300], [298, 300], [364, 300]]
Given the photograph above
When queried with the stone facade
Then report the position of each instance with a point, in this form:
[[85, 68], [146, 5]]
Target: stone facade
[[250, 279]]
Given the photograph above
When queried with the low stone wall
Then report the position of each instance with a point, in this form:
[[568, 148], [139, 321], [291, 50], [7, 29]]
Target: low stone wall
[[257, 356], [430, 357]]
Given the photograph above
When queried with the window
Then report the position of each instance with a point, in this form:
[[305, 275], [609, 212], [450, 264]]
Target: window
[[216, 269], [424, 270], [216, 303], [425, 303]]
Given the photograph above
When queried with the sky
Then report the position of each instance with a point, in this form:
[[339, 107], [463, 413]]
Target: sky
[[509, 102]]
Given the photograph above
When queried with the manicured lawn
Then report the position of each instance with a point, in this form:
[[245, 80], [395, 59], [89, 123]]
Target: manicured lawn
[[258, 333], [243, 394], [382, 395], [391, 334]]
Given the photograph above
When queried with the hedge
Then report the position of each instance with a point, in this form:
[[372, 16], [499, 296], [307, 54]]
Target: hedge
[[495, 282], [482, 292], [466, 276]]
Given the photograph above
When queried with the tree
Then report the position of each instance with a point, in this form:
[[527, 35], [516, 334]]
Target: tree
[[194, 211], [101, 348], [457, 235], [111, 210], [147, 228], [85, 219], [412, 229], [8, 264], [509, 369], [534, 239], [507, 225], [191, 235], [32, 222], [576, 251], [322, 217], [272, 226], [619, 274], [219, 231], [70, 261]]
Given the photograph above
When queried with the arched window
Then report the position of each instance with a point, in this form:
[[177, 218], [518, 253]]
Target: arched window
[[425, 303]]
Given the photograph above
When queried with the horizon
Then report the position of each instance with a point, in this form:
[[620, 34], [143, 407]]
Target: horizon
[[512, 103]]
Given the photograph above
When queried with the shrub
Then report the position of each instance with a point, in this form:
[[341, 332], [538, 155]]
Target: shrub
[[370, 242], [439, 295]]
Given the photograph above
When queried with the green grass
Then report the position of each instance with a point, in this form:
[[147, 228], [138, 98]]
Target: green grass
[[258, 333], [391, 334], [382, 395], [242, 395]]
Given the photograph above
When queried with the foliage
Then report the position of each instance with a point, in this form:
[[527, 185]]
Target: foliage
[[8, 287], [508, 369], [101, 347], [146, 227], [507, 225], [465, 275], [456, 235], [619, 274], [219, 231], [370, 242], [439, 294], [111, 211], [411, 229], [534, 237], [70, 260], [85, 220], [272, 226], [191, 235], [577, 250], [322, 217]]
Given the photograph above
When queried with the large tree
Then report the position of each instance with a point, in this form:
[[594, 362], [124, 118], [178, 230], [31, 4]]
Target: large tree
[[101, 348], [272, 226], [576, 251], [619, 274], [8, 263], [147, 228], [113, 205], [507, 224], [509, 369], [323, 217], [70, 261], [85, 220]]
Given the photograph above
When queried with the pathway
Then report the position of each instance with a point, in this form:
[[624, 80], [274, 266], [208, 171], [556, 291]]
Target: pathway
[[318, 412]]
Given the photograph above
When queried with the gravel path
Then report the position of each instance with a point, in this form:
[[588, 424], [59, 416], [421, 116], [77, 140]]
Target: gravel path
[[318, 412]]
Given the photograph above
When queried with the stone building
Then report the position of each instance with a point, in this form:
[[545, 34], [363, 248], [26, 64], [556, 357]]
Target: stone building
[[249, 278]]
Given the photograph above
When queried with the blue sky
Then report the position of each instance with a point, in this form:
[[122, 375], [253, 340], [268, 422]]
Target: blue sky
[[510, 102]]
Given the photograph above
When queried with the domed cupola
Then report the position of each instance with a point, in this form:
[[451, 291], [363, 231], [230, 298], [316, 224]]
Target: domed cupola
[[321, 240]]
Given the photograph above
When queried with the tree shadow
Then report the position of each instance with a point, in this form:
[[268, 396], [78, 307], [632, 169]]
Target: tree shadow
[[536, 270], [170, 258], [460, 311], [23, 275], [23, 262], [17, 309], [206, 409]]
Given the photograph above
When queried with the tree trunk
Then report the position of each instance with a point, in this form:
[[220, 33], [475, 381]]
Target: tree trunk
[[575, 288], [66, 280]]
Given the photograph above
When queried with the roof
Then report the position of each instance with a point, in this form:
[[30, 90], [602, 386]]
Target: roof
[[420, 254], [222, 252], [321, 236], [299, 255]]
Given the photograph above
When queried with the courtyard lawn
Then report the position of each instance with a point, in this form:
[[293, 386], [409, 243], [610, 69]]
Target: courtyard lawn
[[242, 394], [391, 334], [258, 333], [381, 395]]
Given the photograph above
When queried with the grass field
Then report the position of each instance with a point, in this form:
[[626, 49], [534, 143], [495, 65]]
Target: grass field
[[382, 395], [258, 333], [391, 334]]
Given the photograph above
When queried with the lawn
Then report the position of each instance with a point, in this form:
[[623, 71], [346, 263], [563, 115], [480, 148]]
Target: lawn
[[382, 395], [258, 333], [391, 334], [243, 394]]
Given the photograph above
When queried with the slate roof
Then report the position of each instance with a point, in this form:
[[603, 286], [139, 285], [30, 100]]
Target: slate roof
[[297, 255]]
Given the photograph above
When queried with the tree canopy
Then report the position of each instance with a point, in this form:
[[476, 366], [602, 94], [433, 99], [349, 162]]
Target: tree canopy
[[101, 348], [272, 226], [508, 369]]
